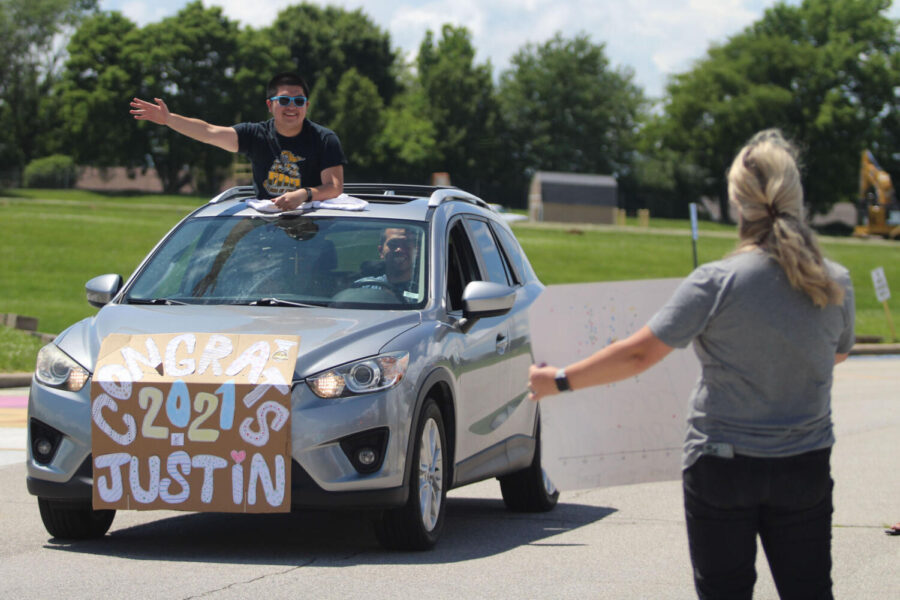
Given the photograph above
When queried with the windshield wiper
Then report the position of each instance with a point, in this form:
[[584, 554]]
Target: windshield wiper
[[166, 301], [280, 302]]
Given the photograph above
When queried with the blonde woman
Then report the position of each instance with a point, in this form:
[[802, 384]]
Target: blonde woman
[[768, 323]]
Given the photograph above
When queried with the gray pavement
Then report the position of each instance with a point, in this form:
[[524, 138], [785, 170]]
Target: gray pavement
[[618, 542]]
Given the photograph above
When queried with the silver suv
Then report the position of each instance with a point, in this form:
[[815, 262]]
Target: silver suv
[[410, 378]]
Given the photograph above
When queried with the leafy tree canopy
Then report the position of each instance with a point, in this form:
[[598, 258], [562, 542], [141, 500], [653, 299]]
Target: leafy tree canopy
[[28, 68], [198, 61], [100, 75], [567, 109], [459, 96], [822, 71], [326, 42]]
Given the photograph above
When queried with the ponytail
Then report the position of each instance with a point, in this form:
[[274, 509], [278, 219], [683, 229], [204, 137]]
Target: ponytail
[[764, 183]]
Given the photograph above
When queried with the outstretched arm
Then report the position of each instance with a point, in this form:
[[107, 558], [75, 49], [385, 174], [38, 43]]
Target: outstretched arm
[[620, 360], [157, 112]]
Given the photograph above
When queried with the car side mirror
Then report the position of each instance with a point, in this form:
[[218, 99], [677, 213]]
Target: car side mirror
[[483, 299], [102, 289]]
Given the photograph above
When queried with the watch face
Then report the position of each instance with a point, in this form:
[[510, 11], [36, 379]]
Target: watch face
[[562, 382]]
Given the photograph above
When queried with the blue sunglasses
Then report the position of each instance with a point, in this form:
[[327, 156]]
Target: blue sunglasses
[[299, 101]]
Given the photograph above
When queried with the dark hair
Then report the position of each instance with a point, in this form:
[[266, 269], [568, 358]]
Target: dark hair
[[384, 234], [286, 78]]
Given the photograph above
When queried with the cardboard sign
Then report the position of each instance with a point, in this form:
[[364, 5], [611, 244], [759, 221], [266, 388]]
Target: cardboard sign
[[193, 421]]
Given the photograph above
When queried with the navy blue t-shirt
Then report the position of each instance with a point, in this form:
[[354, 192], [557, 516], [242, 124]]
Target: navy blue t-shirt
[[283, 164]]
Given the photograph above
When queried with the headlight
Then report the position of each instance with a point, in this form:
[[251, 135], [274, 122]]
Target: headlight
[[361, 377], [55, 368]]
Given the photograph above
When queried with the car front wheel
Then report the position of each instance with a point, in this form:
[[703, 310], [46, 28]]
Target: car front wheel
[[74, 521], [417, 525]]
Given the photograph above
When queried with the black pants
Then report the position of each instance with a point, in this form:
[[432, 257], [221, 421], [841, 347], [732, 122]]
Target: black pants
[[786, 501]]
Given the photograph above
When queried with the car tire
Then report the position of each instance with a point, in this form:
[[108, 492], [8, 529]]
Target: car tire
[[529, 490], [74, 521], [417, 524]]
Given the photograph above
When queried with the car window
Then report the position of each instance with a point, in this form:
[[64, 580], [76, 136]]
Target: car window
[[490, 254], [462, 268], [341, 262], [514, 253]]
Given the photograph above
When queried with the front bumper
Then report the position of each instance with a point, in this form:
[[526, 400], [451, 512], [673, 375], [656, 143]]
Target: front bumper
[[322, 474], [305, 492]]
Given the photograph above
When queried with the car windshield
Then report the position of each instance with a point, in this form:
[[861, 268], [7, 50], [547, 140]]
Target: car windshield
[[287, 260]]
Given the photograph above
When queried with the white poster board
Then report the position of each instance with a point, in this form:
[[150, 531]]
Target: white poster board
[[882, 291], [623, 433]]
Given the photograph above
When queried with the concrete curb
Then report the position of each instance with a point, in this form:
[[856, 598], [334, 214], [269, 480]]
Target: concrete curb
[[874, 349], [13, 380]]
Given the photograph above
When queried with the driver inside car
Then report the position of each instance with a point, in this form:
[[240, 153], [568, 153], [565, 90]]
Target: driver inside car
[[397, 249]]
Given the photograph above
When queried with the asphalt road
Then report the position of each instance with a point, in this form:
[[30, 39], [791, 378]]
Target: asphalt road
[[620, 542]]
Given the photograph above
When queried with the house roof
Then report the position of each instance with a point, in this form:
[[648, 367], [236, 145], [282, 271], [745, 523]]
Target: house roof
[[583, 179]]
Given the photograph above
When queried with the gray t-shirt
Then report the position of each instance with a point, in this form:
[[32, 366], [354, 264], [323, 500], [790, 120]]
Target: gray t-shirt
[[766, 356]]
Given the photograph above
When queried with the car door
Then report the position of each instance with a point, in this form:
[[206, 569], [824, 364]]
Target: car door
[[514, 417], [485, 383]]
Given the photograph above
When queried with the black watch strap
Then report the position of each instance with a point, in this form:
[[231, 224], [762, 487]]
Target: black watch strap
[[562, 382]]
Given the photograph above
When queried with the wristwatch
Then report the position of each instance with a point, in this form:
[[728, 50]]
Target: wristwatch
[[562, 382], [308, 194]]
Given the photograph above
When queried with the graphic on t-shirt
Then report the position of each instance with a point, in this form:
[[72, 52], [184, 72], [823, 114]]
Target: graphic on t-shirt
[[284, 174]]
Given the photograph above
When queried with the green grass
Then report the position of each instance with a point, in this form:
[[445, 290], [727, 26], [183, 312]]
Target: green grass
[[18, 350], [860, 259], [95, 198], [563, 256], [52, 242], [617, 254]]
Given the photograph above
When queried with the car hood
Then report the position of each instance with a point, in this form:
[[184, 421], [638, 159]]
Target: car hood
[[328, 337]]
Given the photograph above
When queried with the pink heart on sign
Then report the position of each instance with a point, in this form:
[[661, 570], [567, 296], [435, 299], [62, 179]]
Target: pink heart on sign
[[238, 456]]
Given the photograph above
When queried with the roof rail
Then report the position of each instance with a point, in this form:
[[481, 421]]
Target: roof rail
[[241, 192], [436, 193], [391, 189], [444, 194]]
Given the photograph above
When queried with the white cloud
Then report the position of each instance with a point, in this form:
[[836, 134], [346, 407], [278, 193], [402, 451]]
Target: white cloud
[[255, 14], [144, 11]]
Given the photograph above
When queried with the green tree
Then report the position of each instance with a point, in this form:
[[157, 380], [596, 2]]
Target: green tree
[[257, 60], [461, 105], [407, 146], [822, 71], [326, 42], [28, 68], [188, 60], [358, 117], [101, 74], [198, 61], [566, 109], [194, 60]]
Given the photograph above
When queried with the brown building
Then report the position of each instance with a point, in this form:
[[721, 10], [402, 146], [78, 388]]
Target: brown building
[[573, 198]]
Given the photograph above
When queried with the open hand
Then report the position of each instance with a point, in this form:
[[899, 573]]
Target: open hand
[[146, 111]]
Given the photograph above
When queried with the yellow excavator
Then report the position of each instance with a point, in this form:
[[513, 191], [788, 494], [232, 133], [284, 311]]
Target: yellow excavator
[[879, 212]]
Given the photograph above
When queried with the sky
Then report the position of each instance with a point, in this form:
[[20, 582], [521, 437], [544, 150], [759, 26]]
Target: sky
[[654, 38]]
